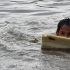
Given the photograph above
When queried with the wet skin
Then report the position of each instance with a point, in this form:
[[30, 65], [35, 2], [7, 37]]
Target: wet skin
[[64, 31]]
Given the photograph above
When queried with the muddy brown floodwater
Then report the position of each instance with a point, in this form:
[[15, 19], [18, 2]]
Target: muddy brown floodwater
[[22, 23]]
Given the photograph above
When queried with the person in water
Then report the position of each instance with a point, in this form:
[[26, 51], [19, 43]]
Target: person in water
[[63, 28]]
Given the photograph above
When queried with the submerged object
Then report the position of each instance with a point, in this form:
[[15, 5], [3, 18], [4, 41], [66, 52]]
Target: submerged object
[[56, 42]]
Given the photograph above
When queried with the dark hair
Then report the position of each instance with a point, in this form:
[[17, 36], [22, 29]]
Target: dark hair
[[63, 22]]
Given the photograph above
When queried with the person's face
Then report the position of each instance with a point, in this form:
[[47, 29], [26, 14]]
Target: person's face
[[64, 31]]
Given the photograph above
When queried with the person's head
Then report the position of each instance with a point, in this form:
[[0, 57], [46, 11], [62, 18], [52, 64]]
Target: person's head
[[63, 28]]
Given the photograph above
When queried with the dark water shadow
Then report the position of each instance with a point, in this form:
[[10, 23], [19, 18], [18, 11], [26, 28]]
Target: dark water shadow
[[25, 2], [21, 11], [55, 50], [58, 0]]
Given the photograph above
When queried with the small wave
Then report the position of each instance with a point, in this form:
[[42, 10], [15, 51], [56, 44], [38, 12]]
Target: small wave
[[49, 13]]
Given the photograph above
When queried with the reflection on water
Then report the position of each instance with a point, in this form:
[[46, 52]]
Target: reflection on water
[[22, 23]]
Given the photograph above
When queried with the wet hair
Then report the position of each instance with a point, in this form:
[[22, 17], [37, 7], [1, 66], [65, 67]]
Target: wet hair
[[63, 22]]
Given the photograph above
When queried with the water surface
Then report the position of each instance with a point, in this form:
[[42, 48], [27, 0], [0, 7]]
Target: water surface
[[23, 21]]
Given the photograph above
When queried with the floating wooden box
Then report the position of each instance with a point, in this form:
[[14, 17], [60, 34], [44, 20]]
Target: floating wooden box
[[52, 41]]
